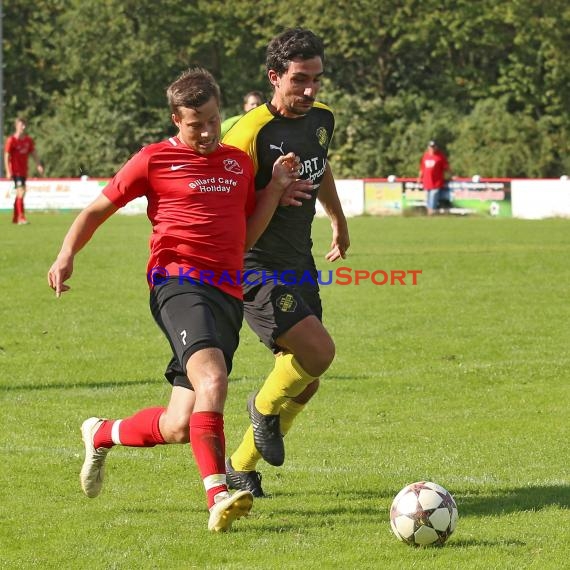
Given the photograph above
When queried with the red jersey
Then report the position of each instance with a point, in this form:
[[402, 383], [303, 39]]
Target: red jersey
[[19, 150], [433, 167], [197, 206]]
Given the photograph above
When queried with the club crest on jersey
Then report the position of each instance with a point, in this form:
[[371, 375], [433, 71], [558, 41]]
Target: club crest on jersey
[[286, 303], [323, 137], [232, 165]]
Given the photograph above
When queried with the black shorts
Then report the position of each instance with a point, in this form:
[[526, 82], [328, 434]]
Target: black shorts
[[272, 309], [193, 317], [19, 181]]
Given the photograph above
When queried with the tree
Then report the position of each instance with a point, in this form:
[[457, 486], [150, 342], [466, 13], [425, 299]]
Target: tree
[[91, 76]]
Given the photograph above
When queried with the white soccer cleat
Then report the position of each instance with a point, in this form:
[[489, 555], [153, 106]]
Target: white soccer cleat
[[93, 469], [224, 513]]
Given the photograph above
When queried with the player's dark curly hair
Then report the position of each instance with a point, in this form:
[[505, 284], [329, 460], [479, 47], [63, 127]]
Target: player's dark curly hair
[[291, 44], [193, 88]]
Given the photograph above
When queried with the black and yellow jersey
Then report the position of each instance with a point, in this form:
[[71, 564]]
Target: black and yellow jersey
[[265, 135]]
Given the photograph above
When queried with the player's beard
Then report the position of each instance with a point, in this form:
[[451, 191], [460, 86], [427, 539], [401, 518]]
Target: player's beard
[[301, 107]]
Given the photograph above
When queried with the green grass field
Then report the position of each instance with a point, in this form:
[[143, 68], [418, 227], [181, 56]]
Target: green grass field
[[461, 379]]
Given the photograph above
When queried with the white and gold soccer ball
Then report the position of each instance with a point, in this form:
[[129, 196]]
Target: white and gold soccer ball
[[423, 514]]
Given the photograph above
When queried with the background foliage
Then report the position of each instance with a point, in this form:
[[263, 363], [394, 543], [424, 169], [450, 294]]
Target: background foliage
[[489, 80]]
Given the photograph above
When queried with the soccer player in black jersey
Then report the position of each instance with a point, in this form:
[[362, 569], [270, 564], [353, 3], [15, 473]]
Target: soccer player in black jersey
[[281, 293]]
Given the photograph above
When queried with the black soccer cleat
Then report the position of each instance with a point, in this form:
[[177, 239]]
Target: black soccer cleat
[[266, 434], [244, 480]]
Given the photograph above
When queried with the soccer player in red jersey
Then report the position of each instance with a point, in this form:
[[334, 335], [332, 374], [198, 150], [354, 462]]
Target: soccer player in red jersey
[[204, 214], [432, 175], [19, 146]]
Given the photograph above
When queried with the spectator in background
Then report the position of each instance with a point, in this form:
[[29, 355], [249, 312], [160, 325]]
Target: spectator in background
[[434, 171], [251, 100], [17, 150]]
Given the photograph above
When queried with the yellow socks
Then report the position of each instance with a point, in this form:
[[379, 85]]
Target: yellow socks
[[289, 411], [246, 455], [286, 380]]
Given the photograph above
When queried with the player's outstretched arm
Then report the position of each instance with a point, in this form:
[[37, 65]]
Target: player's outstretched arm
[[330, 201], [285, 172], [77, 237]]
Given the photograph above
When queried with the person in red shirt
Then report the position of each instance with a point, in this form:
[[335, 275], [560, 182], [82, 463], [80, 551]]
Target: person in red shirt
[[204, 213], [434, 170], [19, 146]]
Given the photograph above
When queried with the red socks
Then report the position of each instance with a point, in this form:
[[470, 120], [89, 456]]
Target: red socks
[[18, 210], [209, 447], [140, 430], [206, 438]]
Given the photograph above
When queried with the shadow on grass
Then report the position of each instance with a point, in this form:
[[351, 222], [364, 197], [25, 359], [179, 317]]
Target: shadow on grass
[[504, 500], [350, 377], [472, 543], [119, 384], [76, 385], [498, 502], [271, 527]]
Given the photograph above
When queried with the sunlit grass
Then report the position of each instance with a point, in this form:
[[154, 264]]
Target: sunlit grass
[[461, 379]]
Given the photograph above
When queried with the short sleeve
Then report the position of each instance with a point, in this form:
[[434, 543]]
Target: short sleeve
[[130, 182]]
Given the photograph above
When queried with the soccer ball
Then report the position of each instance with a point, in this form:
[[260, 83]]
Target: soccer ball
[[423, 513]]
